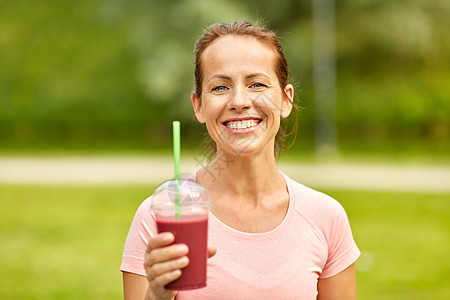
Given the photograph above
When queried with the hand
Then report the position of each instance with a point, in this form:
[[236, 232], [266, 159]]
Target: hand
[[163, 264]]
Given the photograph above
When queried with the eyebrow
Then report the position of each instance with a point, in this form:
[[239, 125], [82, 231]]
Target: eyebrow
[[246, 77], [219, 76], [256, 75]]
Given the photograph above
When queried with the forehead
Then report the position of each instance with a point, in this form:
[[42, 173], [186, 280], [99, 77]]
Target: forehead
[[236, 54]]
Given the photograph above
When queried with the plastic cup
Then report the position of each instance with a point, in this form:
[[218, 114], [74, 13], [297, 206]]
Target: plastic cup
[[186, 217]]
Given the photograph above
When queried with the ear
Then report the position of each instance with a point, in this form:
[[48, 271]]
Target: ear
[[286, 106], [198, 108]]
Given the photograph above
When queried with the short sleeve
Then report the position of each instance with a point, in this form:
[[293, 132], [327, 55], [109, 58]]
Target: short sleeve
[[142, 228], [342, 249]]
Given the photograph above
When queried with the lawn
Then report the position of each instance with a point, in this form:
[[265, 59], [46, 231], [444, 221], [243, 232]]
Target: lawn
[[66, 242], [405, 243]]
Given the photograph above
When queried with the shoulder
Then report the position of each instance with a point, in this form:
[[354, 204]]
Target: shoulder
[[144, 207], [144, 220], [329, 220], [311, 202], [324, 213]]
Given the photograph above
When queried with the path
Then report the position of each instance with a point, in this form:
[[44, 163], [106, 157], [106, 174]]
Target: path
[[152, 170]]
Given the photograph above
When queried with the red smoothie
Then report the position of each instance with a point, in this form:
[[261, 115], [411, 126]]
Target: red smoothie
[[191, 230]]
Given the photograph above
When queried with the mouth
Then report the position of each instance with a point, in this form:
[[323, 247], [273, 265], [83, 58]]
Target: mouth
[[242, 123]]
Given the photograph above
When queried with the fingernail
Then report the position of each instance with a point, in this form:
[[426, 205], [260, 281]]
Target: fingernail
[[167, 237], [182, 249]]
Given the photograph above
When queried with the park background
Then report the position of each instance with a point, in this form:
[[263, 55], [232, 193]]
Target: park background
[[104, 78]]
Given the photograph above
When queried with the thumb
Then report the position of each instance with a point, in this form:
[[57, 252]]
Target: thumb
[[211, 251]]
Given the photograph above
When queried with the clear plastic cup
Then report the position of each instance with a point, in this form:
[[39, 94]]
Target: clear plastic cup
[[188, 222]]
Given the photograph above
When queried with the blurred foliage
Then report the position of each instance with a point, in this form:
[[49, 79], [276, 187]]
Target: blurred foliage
[[115, 73]]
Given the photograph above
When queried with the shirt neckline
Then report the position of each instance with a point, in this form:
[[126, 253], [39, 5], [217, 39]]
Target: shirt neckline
[[214, 221]]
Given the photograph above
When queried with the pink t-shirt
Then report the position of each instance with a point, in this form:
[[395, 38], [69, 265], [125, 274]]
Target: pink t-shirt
[[313, 241]]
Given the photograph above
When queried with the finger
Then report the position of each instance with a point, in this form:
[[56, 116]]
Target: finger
[[159, 283], [160, 269], [211, 251], [160, 240], [165, 254]]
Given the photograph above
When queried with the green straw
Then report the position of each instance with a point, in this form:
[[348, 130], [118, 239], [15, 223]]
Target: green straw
[[176, 164]]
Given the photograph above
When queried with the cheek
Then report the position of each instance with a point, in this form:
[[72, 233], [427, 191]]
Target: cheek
[[213, 106], [268, 104], [210, 114]]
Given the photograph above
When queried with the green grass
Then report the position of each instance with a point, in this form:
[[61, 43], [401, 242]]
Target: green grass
[[66, 242], [405, 243]]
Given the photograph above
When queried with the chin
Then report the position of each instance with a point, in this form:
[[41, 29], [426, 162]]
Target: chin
[[245, 150]]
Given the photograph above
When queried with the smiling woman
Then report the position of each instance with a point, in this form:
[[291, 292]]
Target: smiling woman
[[277, 63], [275, 238], [241, 87]]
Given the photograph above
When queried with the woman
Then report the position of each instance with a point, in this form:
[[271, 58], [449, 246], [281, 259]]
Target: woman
[[275, 238]]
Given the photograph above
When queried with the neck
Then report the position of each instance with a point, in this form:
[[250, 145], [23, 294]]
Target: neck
[[248, 177]]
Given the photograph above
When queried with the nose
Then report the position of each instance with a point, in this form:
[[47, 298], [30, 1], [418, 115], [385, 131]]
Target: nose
[[240, 100]]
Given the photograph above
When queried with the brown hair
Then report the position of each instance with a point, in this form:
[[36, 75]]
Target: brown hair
[[263, 35]]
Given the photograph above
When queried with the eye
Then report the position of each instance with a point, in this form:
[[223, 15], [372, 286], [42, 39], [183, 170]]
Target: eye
[[257, 85], [219, 88]]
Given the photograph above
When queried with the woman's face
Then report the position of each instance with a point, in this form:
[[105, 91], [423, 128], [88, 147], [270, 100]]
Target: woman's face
[[242, 101]]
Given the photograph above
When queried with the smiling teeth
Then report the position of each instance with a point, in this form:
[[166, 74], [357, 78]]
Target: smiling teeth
[[242, 124]]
